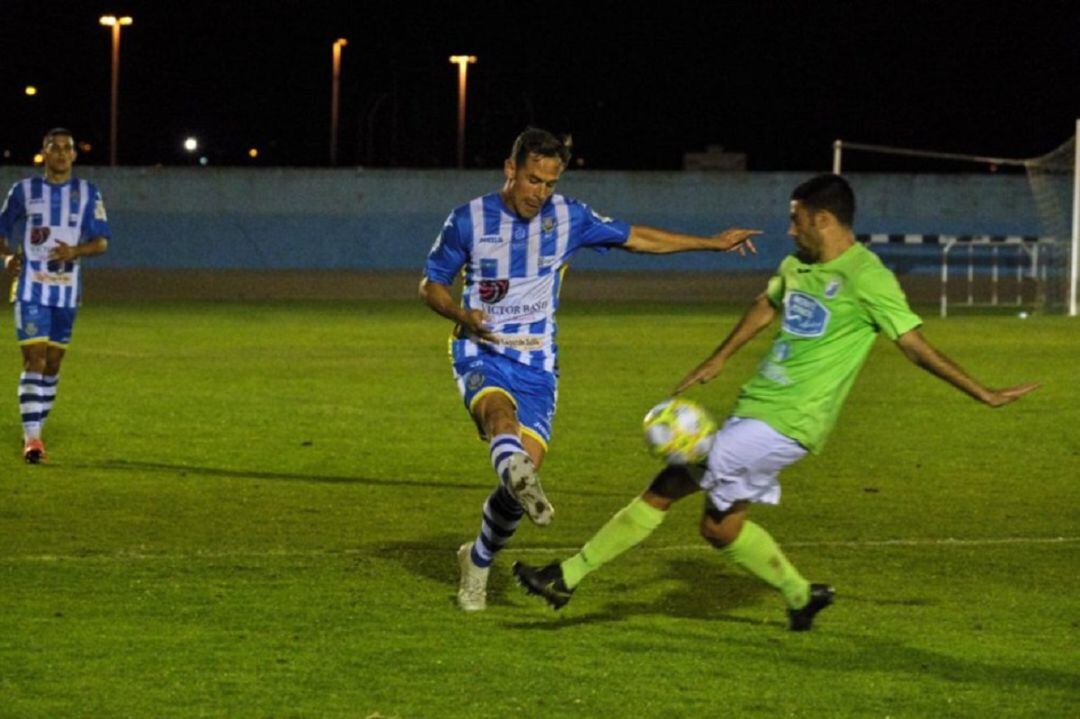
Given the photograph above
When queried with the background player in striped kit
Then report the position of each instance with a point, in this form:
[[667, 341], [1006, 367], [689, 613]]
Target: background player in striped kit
[[513, 246], [52, 221], [833, 297]]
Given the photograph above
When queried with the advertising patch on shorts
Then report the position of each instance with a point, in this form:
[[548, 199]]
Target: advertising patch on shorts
[[474, 380], [804, 315]]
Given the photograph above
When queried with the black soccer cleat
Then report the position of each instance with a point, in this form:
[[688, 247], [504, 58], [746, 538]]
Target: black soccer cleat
[[546, 582], [821, 596]]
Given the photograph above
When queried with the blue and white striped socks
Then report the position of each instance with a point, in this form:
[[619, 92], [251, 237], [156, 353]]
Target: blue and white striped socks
[[503, 447], [30, 391], [48, 395], [502, 513]]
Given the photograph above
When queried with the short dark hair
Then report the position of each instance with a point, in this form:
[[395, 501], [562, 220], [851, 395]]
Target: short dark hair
[[54, 132], [534, 141], [831, 193]]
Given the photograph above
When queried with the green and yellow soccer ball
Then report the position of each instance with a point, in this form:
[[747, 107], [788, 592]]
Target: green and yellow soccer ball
[[679, 431]]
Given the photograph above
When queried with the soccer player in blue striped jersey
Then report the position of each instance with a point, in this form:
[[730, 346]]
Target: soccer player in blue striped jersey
[[52, 222], [513, 247]]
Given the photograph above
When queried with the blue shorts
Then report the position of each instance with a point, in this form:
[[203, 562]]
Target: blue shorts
[[36, 323], [533, 391]]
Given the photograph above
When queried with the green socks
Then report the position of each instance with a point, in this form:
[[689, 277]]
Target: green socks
[[629, 526], [756, 552], [753, 550]]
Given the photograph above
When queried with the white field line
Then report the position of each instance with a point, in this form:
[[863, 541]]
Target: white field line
[[702, 546]]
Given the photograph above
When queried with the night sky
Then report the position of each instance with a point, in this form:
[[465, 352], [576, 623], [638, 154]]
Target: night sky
[[778, 81]]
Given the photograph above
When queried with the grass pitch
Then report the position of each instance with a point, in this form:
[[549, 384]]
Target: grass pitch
[[251, 510]]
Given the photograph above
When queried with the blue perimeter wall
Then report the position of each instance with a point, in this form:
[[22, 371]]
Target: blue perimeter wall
[[357, 219]]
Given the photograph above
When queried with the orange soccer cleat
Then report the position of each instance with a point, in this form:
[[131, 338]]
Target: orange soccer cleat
[[34, 451]]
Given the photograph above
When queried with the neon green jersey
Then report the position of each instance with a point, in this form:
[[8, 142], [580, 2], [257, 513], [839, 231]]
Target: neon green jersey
[[831, 315]]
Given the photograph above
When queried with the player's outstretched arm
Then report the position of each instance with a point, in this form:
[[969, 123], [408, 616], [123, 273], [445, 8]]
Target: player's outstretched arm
[[654, 241], [757, 317], [922, 353], [437, 296]]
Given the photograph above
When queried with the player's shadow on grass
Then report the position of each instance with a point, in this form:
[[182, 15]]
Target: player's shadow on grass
[[706, 590], [435, 559], [856, 653], [184, 470]]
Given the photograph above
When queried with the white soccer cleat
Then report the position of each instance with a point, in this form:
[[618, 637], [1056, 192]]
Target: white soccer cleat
[[524, 485], [472, 588]]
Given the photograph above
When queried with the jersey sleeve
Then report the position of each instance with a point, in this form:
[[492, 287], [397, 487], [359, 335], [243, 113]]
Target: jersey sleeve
[[12, 211], [95, 220], [591, 229], [447, 256], [774, 290], [885, 303]]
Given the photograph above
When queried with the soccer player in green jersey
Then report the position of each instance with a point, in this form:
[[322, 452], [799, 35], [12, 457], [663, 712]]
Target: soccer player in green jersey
[[833, 297]]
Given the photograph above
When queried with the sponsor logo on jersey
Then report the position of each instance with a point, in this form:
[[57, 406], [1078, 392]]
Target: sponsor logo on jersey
[[775, 372], [804, 315], [55, 276], [524, 343], [548, 224], [492, 291], [519, 233], [99, 210], [506, 312], [490, 239], [38, 235], [602, 218], [781, 351], [832, 289]]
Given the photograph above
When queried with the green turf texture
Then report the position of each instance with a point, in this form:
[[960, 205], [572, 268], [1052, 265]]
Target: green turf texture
[[252, 510]]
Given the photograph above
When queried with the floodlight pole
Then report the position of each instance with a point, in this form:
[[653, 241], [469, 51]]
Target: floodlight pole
[[463, 62], [1074, 263], [115, 23], [334, 95], [836, 150]]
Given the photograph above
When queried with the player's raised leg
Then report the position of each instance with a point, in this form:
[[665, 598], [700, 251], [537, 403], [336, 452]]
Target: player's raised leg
[[627, 528]]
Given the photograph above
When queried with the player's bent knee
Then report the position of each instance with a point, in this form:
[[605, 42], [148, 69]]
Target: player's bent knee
[[715, 535], [673, 483], [720, 528]]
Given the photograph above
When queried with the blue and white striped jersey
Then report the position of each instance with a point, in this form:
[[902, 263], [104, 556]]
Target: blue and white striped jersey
[[39, 216], [513, 269]]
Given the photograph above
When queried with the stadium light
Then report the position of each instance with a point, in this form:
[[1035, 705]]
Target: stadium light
[[463, 62], [30, 90], [115, 23], [191, 144], [335, 83]]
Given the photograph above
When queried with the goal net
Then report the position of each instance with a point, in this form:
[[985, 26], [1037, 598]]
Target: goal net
[[1035, 265], [1053, 180]]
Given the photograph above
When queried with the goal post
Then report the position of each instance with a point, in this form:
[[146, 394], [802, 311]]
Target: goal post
[[1054, 180]]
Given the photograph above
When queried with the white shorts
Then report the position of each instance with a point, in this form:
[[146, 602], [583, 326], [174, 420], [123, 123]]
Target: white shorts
[[745, 461]]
